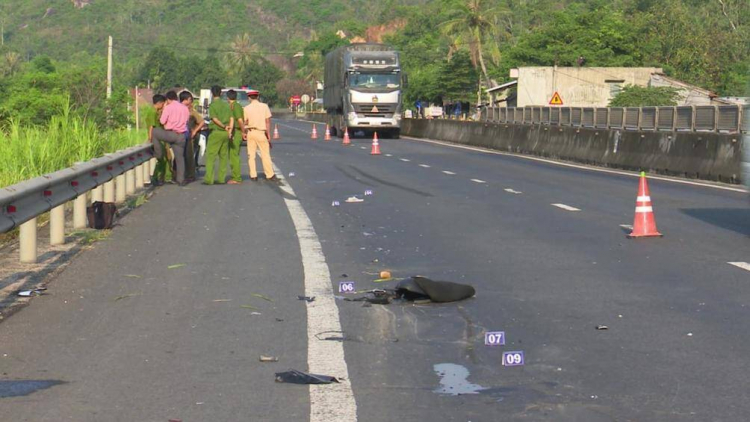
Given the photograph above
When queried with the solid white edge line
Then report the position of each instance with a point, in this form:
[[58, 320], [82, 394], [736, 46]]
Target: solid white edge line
[[743, 265], [332, 402], [424, 166], [565, 207], [449, 172], [478, 181], [513, 191], [576, 166], [406, 160]]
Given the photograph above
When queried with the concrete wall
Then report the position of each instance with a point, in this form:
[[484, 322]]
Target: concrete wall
[[710, 156], [578, 86]]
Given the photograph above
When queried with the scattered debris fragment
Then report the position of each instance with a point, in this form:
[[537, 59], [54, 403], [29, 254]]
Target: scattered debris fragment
[[222, 300], [260, 296], [344, 275], [601, 327], [354, 199], [335, 203], [248, 307], [172, 267], [418, 289], [279, 319], [255, 313], [298, 377], [306, 298], [118, 298], [132, 276], [37, 291], [268, 358], [385, 274]]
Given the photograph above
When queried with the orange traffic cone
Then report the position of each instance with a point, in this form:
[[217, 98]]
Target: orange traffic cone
[[276, 132], [645, 223], [375, 145], [347, 141], [327, 136], [314, 132]]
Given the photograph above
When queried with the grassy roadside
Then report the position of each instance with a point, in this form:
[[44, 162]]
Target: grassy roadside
[[31, 151]]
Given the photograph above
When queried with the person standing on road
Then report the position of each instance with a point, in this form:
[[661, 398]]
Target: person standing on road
[[174, 118], [151, 121], [222, 124], [195, 124], [258, 127], [235, 141]]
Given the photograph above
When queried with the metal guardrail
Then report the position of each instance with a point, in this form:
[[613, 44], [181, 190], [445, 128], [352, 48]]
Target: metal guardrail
[[723, 119], [22, 203]]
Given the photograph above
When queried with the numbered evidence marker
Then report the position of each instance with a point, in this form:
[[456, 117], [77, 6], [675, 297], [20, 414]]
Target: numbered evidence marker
[[291, 174], [513, 358], [368, 192], [335, 204], [346, 287], [494, 338]]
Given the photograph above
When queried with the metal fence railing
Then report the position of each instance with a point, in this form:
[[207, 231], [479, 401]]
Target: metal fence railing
[[724, 119]]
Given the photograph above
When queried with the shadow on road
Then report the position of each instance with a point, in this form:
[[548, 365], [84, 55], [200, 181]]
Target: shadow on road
[[734, 219]]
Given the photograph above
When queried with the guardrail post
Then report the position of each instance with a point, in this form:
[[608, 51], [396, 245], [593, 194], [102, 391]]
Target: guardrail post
[[147, 172], [57, 225], [109, 191], [130, 182], [139, 176], [151, 166], [27, 240], [97, 194], [120, 190], [79, 212]]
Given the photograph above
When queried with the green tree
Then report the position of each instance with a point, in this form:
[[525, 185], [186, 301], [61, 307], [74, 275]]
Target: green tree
[[471, 22], [243, 53], [263, 76], [457, 79], [639, 96]]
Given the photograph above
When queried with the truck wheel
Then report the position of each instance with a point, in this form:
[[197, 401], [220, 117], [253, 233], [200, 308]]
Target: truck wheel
[[334, 131], [396, 133]]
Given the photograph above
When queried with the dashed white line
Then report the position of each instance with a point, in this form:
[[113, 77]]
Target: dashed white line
[[576, 166], [362, 147], [406, 160], [478, 181], [743, 265], [424, 165], [450, 173], [389, 155], [565, 207], [515, 192]]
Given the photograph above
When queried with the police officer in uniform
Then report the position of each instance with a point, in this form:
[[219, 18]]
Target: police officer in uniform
[[257, 119]]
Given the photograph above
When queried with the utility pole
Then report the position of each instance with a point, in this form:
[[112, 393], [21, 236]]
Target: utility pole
[[109, 69], [137, 111]]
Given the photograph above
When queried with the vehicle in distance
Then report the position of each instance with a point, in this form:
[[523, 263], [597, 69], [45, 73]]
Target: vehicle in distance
[[363, 89]]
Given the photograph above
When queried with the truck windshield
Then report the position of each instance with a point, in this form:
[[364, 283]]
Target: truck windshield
[[374, 80]]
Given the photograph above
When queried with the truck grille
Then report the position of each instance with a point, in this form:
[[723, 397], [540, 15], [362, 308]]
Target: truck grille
[[375, 110]]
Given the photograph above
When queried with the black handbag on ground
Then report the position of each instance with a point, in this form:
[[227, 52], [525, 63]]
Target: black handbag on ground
[[101, 215]]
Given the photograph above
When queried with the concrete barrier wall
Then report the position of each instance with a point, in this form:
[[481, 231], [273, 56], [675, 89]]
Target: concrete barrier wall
[[709, 156]]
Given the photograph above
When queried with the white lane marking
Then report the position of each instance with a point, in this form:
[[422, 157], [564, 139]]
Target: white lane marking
[[333, 402], [450, 173], [515, 192], [362, 147], [565, 207], [576, 166], [478, 181], [406, 160], [743, 265], [389, 155], [424, 165]]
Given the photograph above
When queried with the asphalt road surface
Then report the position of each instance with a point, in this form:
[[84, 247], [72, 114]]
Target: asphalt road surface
[[168, 317]]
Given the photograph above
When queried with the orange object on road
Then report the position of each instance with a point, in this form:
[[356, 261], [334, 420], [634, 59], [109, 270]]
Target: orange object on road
[[327, 136], [314, 132], [276, 135], [347, 141], [645, 223], [375, 145]]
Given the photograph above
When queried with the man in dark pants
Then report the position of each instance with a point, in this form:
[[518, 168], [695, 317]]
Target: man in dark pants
[[195, 124], [174, 118]]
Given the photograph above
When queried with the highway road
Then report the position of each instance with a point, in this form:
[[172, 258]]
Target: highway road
[[168, 317]]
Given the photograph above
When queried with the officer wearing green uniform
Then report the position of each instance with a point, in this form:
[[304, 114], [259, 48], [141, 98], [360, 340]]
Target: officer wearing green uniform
[[222, 124], [235, 142], [163, 169]]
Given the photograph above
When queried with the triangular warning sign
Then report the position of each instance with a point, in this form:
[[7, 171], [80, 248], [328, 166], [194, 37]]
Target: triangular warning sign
[[374, 109], [556, 100]]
